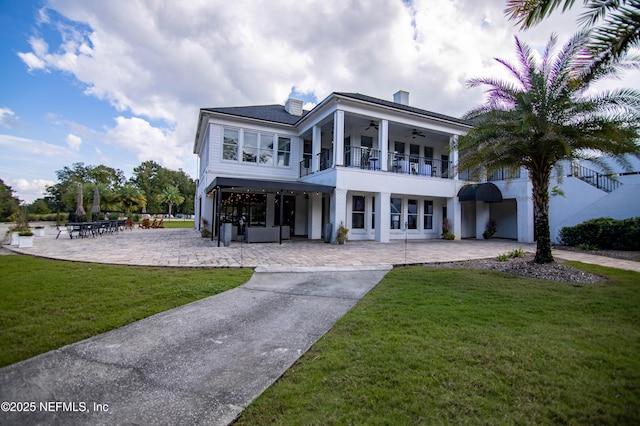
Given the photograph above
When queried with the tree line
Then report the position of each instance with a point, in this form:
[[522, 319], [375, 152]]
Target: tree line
[[152, 189]]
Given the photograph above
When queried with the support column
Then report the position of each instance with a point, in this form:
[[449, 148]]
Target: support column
[[453, 155], [270, 213], [338, 138], [524, 207], [316, 147], [338, 210], [483, 214], [315, 216], [383, 213], [383, 144], [454, 211]]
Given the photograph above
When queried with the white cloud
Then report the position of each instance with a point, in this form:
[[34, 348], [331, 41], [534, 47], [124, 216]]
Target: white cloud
[[32, 146], [162, 61], [30, 190], [147, 142], [8, 118], [74, 142]]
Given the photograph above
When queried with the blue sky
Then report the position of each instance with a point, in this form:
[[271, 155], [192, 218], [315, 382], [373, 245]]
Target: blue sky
[[120, 82]]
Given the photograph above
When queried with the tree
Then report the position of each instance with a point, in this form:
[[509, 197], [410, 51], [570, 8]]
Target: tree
[[545, 117], [152, 178], [9, 205], [170, 195], [130, 198], [615, 24], [105, 177]]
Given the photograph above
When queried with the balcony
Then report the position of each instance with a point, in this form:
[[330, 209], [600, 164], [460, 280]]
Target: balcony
[[370, 159]]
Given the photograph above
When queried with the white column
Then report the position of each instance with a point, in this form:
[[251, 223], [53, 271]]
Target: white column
[[482, 217], [338, 210], [383, 213], [315, 216], [316, 147], [271, 210], [524, 210], [454, 210], [453, 154], [383, 144], [338, 138]]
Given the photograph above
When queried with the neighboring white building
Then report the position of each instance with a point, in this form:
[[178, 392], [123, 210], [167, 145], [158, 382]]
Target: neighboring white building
[[386, 170]]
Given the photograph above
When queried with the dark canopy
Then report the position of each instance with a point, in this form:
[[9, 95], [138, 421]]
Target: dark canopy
[[227, 182], [487, 192]]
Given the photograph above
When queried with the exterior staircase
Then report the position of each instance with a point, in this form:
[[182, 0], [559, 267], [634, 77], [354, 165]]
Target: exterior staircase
[[595, 179]]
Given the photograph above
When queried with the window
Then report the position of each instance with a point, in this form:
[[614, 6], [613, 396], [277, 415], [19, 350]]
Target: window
[[284, 152], [414, 153], [399, 147], [428, 215], [396, 213], [230, 145], [366, 142], [266, 149], [428, 152], [250, 147], [357, 212], [412, 214]]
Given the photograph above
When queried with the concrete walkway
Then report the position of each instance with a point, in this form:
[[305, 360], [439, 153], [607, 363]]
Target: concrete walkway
[[203, 363]]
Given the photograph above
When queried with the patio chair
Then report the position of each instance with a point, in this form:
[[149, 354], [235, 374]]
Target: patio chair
[[129, 224], [144, 224], [61, 229], [158, 224]]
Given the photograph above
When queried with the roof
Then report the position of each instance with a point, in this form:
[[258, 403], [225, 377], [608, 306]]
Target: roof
[[423, 112], [272, 113], [277, 114]]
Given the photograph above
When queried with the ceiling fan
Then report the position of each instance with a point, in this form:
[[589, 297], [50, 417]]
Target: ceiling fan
[[415, 133], [372, 124]]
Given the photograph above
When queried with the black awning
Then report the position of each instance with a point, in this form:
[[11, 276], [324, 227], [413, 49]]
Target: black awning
[[487, 192], [276, 185]]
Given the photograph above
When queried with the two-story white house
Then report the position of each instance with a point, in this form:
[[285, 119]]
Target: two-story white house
[[383, 169]]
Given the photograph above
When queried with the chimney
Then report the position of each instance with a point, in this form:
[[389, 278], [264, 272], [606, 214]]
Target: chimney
[[293, 107], [401, 97]]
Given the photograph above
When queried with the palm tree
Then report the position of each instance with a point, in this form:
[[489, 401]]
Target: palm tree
[[545, 117], [611, 39], [130, 198], [170, 195]]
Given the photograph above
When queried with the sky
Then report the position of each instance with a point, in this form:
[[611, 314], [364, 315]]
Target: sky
[[120, 82]]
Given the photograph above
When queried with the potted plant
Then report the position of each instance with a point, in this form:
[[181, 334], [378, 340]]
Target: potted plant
[[490, 229], [25, 239], [39, 231], [341, 236], [446, 233]]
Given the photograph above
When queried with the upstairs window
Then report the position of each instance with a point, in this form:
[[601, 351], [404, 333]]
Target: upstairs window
[[250, 147], [284, 152], [230, 145], [266, 150]]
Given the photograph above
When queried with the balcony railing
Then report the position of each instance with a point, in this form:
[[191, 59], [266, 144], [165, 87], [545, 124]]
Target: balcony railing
[[504, 174], [362, 157], [593, 178], [325, 159], [421, 166], [305, 167]]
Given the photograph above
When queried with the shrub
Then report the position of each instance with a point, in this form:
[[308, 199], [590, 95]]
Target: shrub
[[605, 233], [490, 229], [448, 236], [511, 255]]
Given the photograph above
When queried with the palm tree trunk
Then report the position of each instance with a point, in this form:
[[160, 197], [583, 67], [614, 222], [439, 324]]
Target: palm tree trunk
[[540, 191]]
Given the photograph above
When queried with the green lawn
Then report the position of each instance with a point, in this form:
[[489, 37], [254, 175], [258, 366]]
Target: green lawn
[[436, 346], [178, 223], [46, 304]]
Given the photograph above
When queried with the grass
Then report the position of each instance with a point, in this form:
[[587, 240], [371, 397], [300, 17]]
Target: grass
[[437, 346], [46, 304], [178, 223]]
